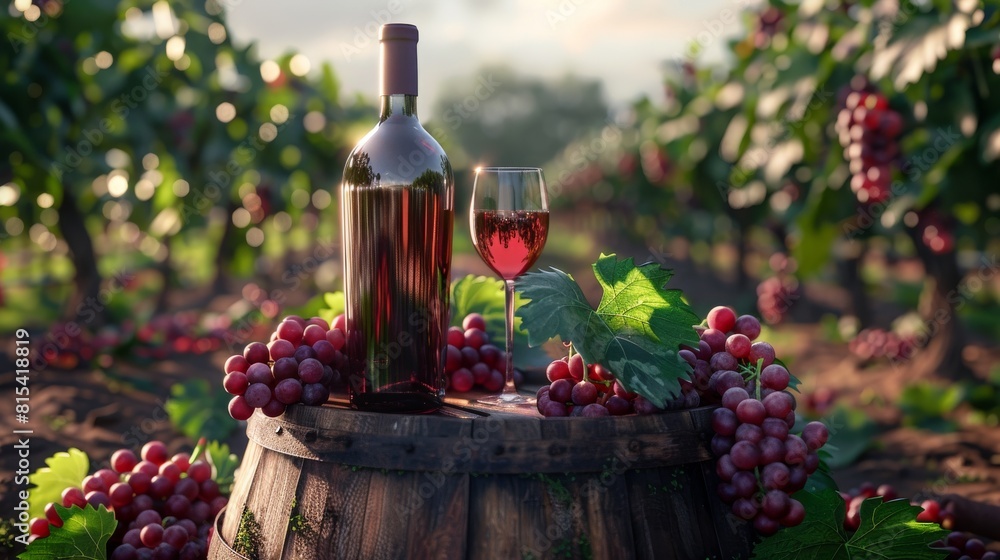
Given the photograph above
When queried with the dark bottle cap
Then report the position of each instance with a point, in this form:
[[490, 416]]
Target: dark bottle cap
[[398, 59]]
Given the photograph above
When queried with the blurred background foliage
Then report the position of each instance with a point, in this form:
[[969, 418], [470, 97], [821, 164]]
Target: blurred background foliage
[[137, 136]]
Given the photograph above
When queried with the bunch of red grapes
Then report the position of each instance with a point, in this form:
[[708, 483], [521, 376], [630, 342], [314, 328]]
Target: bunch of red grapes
[[869, 131], [878, 343], [164, 505], [300, 364], [472, 361], [775, 296], [600, 394], [760, 463], [958, 545]]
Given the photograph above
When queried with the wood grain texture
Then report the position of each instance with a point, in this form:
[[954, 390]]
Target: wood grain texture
[[478, 483]]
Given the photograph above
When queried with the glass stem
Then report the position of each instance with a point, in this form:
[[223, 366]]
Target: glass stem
[[508, 389]]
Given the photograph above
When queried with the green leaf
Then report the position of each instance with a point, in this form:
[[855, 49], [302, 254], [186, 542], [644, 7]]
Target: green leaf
[[197, 410], [926, 405], [334, 305], [65, 469], [888, 531], [851, 433], [84, 535], [223, 463], [635, 331], [479, 294]]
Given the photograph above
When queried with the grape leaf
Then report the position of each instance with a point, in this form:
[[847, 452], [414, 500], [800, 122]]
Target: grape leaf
[[224, 463], [888, 531], [84, 535], [334, 306], [635, 331], [197, 409], [65, 469]]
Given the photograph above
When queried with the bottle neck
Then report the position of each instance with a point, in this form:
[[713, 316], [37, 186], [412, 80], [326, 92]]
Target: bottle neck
[[398, 105]]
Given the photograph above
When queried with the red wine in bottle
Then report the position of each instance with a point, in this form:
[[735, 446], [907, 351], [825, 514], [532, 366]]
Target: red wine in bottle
[[396, 216], [509, 241]]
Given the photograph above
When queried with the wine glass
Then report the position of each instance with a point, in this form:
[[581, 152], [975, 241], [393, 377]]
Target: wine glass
[[509, 220]]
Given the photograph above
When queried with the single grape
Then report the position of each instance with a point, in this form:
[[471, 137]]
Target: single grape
[[715, 339], [52, 516], [38, 527], [576, 367], [796, 513], [325, 352], [314, 394], [738, 345], [187, 487], [745, 455], [772, 450], [462, 380], [723, 380], [749, 432], [721, 445], [751, 411], [493, 356], [260, 373], [236, 363], [815, 434], [280, 348], [336, 338], [453, 359], [795, 450], [761, 351], [723, 361], [73, 496], [303, 353], [313, 334], [256, 353], [94, 483], [931, 511], [318, 321], [239, 409], [584, 393], [456, 337], [558, 369], [474, 321], [155, 452], [797, 479], [726, 492], [151, 535], [561, 390], [480, 372], [273, 408], [775, 504], [733, 397], [775, 427], [775, 376], [765, 525], [120, 494], [744, 508], [290, 330], [744, 483], [200, 471], [778, 405], [725, 468], [724, 422], [257, 395], [617, 406], [687, 355], [495, 381], [470, 356], [177, 505], [123, 461], [747, 325], [161, 486], [475, 338], [722, 318], [177, 536], [99, 499], [142, 502], [775, 476], [553, 409], [235, 383], [594, 410], [643, 406], [208, 490], [288, 391], [285, 368], [132, 537]]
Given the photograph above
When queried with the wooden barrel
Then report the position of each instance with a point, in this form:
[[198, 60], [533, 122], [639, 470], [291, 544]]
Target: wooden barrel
[[333, 483]]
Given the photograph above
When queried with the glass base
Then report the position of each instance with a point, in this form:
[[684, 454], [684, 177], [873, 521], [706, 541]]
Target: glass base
[[507, 399]]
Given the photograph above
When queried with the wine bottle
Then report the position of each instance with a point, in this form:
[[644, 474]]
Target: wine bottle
[[396, 215]]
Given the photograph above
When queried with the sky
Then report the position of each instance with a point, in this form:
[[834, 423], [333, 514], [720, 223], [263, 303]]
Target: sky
[[624, 44]]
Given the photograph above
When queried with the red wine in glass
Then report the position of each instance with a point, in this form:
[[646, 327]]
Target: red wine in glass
[[509, 219], [509, 242]]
